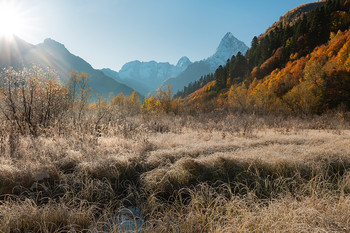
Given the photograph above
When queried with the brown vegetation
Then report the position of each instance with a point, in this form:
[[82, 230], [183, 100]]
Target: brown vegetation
[[214, 172], [117, 164]]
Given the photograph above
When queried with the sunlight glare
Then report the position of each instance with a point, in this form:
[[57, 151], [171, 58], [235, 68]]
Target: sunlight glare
[[12, 20]]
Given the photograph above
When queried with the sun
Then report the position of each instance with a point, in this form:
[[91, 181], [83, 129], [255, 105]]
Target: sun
[[12, 19]]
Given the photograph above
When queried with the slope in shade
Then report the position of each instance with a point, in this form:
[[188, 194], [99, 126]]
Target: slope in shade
[[18, 54]]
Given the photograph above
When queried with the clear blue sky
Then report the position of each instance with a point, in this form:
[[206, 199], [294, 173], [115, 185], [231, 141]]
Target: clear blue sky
[[109, 33]]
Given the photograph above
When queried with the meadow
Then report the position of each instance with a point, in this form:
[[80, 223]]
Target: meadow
[[214, 172], [262, 144]]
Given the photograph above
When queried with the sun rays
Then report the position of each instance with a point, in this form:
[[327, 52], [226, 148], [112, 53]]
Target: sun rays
[[14, 19]]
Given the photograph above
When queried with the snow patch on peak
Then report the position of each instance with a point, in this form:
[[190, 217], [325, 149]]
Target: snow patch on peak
[[229, 35], [184, 62], [147, 71], [228, 47], [147, 76], [230, 44]]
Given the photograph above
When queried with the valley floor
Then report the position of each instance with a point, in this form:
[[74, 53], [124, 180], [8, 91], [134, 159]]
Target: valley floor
[[183, 174]]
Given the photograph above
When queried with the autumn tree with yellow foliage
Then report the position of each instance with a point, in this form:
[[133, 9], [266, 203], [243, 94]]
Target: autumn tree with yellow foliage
[[162, 102]]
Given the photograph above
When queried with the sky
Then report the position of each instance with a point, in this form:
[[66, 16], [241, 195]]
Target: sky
[[110, 33]]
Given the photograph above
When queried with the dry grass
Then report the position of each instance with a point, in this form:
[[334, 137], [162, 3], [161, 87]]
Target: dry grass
[[209, 173]]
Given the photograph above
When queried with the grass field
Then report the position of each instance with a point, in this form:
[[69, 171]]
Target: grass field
[[211, 173]]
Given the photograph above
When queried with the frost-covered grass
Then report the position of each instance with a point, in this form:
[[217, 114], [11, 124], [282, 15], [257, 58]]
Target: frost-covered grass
[[186, 174]]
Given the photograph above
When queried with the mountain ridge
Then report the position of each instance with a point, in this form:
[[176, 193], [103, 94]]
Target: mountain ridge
[[294, 15], [52, 54]]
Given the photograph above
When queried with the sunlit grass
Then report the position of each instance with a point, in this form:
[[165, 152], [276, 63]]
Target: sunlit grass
[[227, 174]]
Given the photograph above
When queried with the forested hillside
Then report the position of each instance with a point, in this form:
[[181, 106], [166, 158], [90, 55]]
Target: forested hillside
[[299, 67]]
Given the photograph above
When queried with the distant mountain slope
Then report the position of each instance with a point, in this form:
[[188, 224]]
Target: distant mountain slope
[[12, 51], [228, 47], [111, 73], [19, 54], [146, 77], [192, 73]]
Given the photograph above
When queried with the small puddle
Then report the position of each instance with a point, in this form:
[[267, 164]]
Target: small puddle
[[128, 220]]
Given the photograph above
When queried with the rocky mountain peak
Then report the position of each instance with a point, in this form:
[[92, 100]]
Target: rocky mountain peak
[[184, 62], [228, 47]]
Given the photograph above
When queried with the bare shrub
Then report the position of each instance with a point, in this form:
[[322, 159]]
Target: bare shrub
[[30, 99]]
